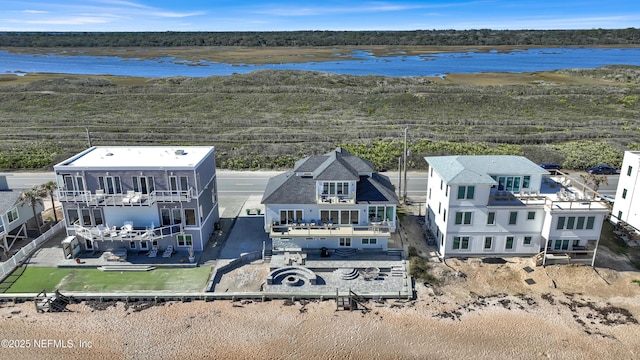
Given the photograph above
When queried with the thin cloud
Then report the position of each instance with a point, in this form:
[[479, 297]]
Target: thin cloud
[[34, 12], [373, 7], [78, 20], [170, 14], [122, 3]]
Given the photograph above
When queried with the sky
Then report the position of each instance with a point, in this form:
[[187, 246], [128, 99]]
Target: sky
[[291, 15]]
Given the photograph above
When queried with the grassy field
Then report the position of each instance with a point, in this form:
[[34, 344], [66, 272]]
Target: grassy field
[[268, 119], [34, 279]]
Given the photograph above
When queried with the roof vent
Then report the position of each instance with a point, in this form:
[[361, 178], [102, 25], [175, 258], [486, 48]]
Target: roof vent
[[179, 152], [306, 174], [108, 154]]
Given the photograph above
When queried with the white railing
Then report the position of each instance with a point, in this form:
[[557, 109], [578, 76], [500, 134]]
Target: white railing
[[130, 198], [114, 234], [8, 266], [335, 199]]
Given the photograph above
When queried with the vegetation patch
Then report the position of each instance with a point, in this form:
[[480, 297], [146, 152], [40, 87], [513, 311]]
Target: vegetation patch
[[583, 154], [269, 119], [420, 269]]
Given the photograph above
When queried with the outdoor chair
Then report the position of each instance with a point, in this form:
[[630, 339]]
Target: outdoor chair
[[154, 251], [135, 199], [127, 198], [167, 253]]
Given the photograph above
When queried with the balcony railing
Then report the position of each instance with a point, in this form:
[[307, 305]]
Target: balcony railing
[[126, 234], [337, 199], [131, 198], [312, 230]]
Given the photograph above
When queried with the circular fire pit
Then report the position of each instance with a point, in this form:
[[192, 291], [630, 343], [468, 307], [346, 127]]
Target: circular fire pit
[[292, 280]]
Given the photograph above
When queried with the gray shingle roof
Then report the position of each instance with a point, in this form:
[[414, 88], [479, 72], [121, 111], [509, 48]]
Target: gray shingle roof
[[297, 186], [8, 198], [477, 169]]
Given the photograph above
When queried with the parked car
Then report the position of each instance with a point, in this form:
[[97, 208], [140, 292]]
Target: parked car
[[602, 170], [550, 166]]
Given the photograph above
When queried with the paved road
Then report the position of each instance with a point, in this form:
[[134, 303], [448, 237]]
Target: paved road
[[230, 183]]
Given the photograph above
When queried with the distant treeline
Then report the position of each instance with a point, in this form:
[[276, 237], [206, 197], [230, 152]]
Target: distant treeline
[[629, 36]]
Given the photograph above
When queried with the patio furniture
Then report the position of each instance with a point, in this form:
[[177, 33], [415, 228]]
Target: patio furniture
[[168, 252], [154, 251], [126, 228], [127, 198], [99, 195], [135, 199]]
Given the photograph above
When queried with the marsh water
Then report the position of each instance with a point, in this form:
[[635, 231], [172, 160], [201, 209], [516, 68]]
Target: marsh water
[[365, 63]]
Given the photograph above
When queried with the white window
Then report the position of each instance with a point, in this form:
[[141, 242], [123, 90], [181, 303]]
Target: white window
[[491, 218], [110, 184], [72, 216], [466, 192], [345, 242], [381, 213], [12, 215], [460, 243], [190, 217], [509, 243], [291, 216], [97, 217], [369, 241], [86, 217], [335, 188], [488, 242], [185, 240], [143, 184], [463, 217]]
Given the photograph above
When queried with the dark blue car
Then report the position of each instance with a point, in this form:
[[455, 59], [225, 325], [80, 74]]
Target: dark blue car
[[550, 166], [602, 170]]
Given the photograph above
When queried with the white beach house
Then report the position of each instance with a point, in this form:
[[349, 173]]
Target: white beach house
[[508, 206], [332, 201], [626, 208]]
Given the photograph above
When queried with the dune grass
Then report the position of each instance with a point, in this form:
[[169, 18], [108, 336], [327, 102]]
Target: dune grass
[[34, 279]]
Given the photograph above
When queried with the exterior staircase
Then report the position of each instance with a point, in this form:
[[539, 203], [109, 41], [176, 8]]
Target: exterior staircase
[[348, 273], [398, 271], [346, 252], [268, 253]]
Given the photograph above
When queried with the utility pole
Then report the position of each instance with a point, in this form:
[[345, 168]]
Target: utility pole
[[88, 136], [400, 177], [404, 153]]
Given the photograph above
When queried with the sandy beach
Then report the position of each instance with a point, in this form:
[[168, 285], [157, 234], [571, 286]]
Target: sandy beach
[[570, 312]]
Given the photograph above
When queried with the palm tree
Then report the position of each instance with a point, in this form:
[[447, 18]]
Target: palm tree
[[33, 197], [50, 189]]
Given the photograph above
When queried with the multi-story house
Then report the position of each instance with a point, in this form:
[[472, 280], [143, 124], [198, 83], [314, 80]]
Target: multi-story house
[[626, 207], [139, 198], [508, 206], [15, 216], [332, 201]]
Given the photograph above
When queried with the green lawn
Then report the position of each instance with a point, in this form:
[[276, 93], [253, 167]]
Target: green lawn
[[34, 279]]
